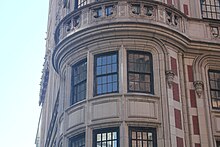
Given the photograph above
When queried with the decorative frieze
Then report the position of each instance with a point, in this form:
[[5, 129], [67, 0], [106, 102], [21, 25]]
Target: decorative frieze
[[107, 11], [142, 10], [172, 18]]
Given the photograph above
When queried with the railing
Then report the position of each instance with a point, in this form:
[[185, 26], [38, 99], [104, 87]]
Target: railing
[[123, 11]]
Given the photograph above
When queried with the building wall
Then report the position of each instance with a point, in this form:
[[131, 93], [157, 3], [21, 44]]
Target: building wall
[[184, 48]]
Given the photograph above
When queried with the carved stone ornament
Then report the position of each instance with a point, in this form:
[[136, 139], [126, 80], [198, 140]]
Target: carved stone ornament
[[198, 87], [170, 77], [215, 32]]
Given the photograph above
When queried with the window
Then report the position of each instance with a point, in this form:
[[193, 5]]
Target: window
[[217, 143], [77, 141], [79, 76], [140, 76], [106, 73], [80, 3], [214, 80], [108, 137], [210, 9], [142, 137]]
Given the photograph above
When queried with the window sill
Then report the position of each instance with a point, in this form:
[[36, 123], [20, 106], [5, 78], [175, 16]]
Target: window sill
[[131, 94]]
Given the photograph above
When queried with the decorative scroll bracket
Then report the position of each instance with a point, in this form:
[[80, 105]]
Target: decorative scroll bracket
[[198, 87], [170, 77]]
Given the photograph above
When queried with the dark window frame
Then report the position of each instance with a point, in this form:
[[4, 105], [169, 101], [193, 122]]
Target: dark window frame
[[95, 85], [214, 90], [146, 130], [217, 143], [76, 85], [214, 9], [77, 138], [106, 130], [81, 4], [151, 71]]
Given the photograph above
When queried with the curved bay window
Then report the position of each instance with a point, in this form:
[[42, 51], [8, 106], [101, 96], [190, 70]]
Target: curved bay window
[[214, 80], [79, 77], [140, 73], [142, 137], [210, 9], [106, 73]]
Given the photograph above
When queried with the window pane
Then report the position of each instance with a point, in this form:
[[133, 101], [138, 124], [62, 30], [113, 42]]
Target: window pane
[[145, 135], [133, 143], [109, 144], [109, 68], [99, 61], [109, 136], [150, 136], [98, 144], [103, 136], [115, 143], [115, 86], [139, 143], [150, 144], [145, 144], [114, 135], [99, 70], [139, 135], [103, 144], [104, 59], [104, 71], [133, 135], [109, 59], [110, 87], [98, 137]]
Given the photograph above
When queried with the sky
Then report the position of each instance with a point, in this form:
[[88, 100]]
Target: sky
[[23, 26]]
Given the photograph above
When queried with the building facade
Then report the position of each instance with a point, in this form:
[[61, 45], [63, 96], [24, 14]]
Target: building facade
[[131, 73]]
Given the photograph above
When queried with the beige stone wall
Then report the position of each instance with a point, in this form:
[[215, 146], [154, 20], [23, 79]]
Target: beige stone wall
[[183, 50]]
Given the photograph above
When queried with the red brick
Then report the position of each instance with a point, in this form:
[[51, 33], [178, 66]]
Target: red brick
[[185, 9], [176, 95], [190, 73], [195, 125], [193, 98], [174, 65], [179, 142], [169, 2], [197, 145], [178, 121]]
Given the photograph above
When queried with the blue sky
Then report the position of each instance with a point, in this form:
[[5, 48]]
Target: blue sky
[[23, 26]]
